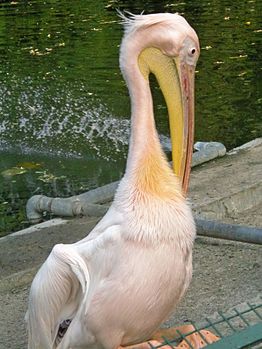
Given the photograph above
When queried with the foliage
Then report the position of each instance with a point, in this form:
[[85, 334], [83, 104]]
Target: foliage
[[12, 217]]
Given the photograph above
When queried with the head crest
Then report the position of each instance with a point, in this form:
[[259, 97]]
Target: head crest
[[132, 22]]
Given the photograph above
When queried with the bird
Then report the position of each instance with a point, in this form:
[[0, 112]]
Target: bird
[[116, 286]]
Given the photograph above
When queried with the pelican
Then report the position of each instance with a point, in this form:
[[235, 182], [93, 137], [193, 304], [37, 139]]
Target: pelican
[[116, 286]]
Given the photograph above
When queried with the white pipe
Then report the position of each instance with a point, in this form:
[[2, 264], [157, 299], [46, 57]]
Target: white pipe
[[86, 204], [89, 203], [207, 151]]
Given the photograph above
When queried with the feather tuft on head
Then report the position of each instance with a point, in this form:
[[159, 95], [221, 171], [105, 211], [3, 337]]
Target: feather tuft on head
[[132, 22]]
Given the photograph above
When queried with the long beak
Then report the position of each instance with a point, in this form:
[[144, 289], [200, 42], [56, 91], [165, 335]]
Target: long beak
[[182, 123], [176, 80]]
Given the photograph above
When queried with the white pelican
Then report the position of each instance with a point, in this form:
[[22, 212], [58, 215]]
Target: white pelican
[[116, 286]]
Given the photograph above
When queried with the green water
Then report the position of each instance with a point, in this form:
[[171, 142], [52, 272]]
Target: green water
[[64, 108]]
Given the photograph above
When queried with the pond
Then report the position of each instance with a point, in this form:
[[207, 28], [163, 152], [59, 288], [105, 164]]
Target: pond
[[64, 107]]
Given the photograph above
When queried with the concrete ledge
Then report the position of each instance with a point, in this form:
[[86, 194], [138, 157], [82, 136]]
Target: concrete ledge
[[35, 228], [228, 186], [231, 205]]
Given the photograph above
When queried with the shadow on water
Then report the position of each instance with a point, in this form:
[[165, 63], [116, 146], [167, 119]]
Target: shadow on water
[[64, 108]]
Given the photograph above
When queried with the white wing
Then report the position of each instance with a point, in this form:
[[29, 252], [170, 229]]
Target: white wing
[[61, 286]]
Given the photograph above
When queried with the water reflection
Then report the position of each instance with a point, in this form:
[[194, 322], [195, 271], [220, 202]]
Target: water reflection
[[62, 94]]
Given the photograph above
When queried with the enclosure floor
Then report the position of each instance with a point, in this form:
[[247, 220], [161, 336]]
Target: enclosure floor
[[225, 273]]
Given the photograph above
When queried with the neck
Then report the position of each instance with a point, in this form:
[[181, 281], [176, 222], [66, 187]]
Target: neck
[[149, 187], [144, 140], [147, 166]]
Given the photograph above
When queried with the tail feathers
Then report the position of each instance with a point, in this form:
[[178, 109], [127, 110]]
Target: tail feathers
[[54, 288]]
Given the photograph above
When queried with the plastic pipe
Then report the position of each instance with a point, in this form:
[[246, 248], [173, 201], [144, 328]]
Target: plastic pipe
[[89, 203], [226, 231]]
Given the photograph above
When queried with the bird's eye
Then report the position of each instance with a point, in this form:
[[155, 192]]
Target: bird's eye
[[192, 51]]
